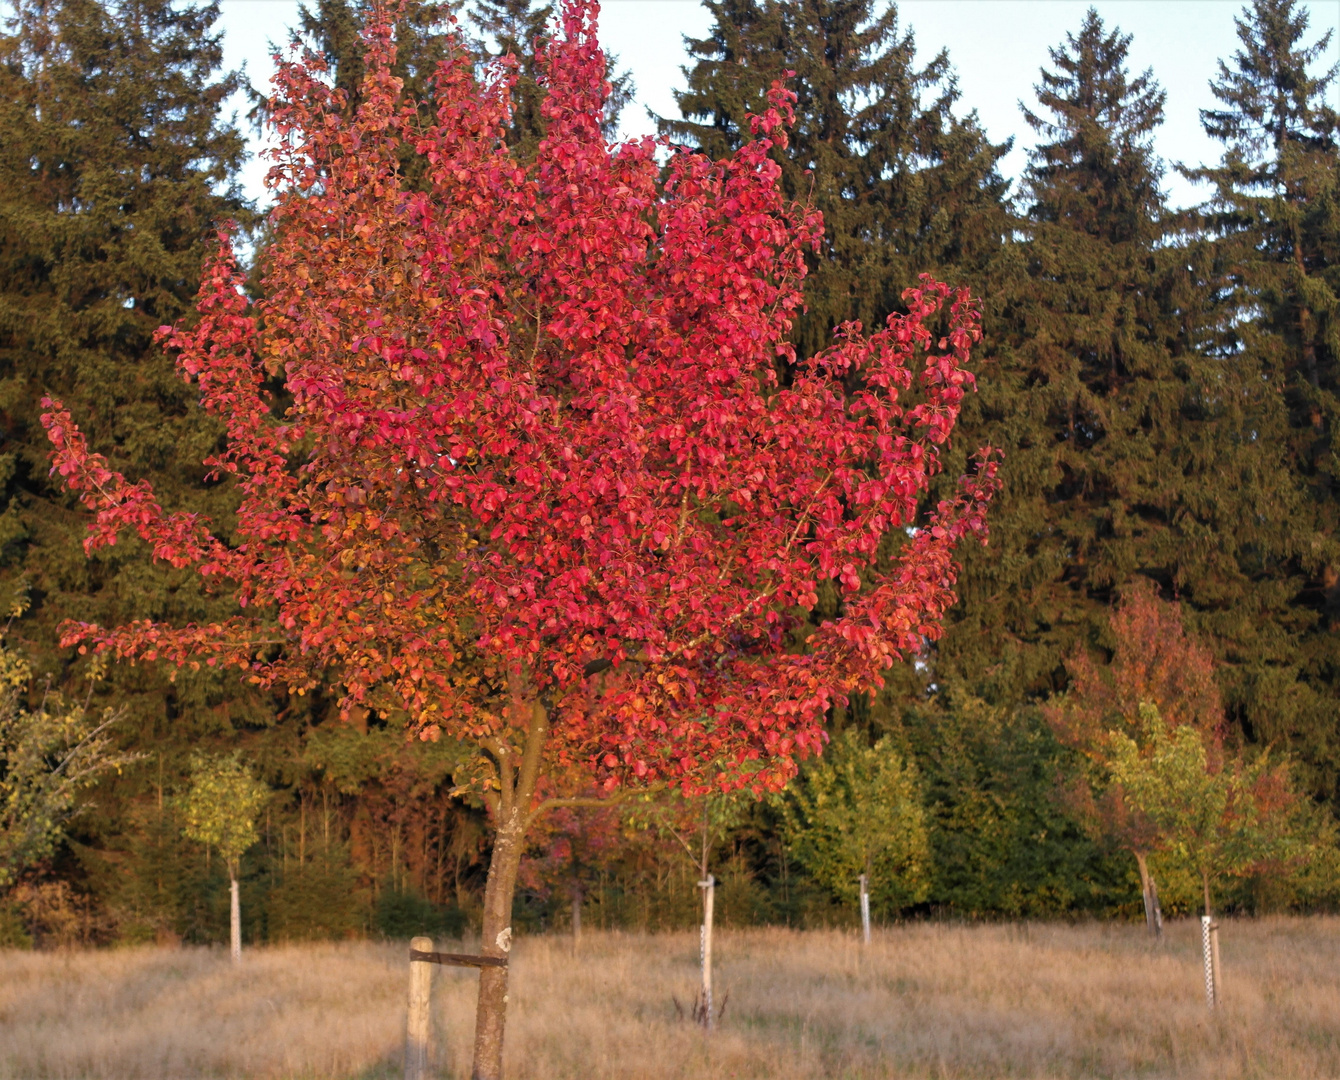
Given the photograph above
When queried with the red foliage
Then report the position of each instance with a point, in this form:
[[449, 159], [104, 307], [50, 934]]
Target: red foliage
[[535, 449], [1154, 662]]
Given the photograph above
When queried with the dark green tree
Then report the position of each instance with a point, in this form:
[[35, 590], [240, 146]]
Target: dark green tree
[[116, 164], [1130, 449], [1273, 219], [904, 184], [1002, 841]]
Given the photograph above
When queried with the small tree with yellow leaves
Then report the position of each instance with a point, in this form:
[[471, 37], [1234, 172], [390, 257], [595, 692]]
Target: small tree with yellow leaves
[[220, 812], [1219, 814], [857, 813]]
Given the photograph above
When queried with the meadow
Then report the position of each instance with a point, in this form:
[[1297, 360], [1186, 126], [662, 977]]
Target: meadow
[[924, 1000]]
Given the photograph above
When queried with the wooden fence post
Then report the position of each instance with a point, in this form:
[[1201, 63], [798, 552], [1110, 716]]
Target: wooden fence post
[[417, 1024], [865, 909], [705, 947]]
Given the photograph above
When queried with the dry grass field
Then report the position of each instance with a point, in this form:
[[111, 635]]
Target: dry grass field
[[925, 1000]]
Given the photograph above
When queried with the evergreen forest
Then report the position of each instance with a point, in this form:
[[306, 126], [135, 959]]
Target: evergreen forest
[[1164, 554]]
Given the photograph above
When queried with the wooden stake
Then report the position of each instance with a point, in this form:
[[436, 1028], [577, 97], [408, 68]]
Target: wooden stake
[[1150, 891], [1214, 963], [416, 1026], [865, 909], [234, 920], [708, 887]]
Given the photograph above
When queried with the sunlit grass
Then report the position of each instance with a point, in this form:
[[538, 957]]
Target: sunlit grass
[[926, 1000]]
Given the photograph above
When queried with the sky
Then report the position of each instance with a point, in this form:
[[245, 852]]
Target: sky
[[995, 46]]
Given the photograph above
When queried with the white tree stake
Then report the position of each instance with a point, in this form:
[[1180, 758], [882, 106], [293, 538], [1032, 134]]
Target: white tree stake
[[865, 909], [705, 947], [234, 920]]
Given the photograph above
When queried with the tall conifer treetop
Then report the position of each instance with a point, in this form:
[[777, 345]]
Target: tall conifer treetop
[[1273, 223], [1129, 451], [1270, 94], [115, 165], [1098, 170]]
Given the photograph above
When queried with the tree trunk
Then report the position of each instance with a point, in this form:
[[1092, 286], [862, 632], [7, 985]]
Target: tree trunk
[[491, 1011], [576, 917], [1150, 892], [511, 811], [1205, 883], [234, 917]]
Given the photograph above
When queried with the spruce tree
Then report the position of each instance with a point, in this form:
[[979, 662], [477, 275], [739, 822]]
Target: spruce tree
[[1130, 449], [1273, 220], [115, 166], [904, 184], [516, 28]]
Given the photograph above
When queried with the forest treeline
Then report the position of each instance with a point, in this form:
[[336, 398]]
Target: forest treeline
[[1163, 382]]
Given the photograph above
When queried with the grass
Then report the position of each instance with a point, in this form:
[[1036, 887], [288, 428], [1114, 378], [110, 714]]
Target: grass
[[926, 1000]]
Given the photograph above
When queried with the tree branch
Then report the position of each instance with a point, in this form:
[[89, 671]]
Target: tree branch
[[591, 802]]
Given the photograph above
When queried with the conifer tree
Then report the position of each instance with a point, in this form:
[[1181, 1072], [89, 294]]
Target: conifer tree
[[1128, 450], [115, 164], [1273, 205], [1273, 218], [511, 28], [902, 181]]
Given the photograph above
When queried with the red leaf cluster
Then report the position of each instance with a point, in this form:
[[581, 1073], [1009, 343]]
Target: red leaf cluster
[[533, 431], [1154, 661]]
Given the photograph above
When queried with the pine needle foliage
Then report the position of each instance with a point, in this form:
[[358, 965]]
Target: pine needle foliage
[[116, 162], [1129, 450], [1273, 223]]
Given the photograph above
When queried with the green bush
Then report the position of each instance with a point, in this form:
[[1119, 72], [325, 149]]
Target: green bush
[[320, 900], [400, 913]]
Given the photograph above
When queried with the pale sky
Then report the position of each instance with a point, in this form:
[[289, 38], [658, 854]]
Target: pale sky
[[995, 46]]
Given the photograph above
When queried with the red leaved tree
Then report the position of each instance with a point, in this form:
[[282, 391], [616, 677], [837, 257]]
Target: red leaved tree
[[1154, 662], [536, 484]]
